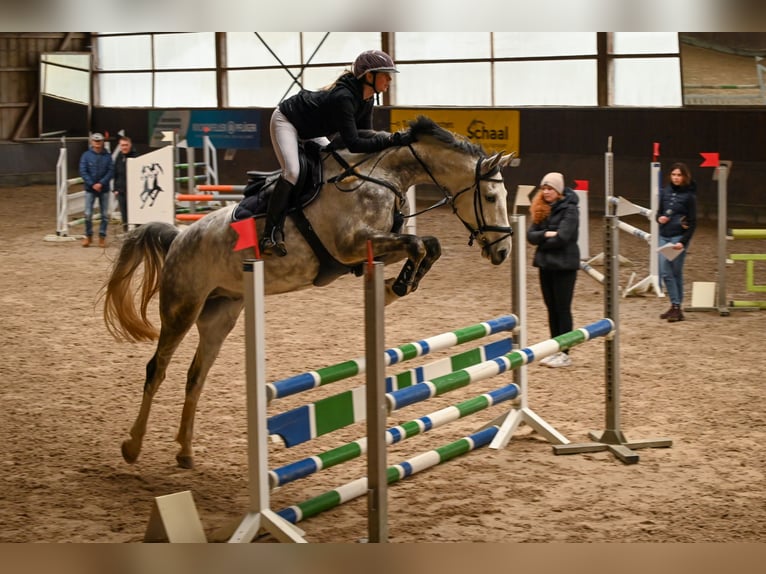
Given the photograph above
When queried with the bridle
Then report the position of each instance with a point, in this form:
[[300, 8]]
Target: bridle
[[448, 196], [478, 207]]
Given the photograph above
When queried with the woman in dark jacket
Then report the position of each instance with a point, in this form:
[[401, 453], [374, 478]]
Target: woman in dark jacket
[[344, 108], [555, 229], [677, 216]]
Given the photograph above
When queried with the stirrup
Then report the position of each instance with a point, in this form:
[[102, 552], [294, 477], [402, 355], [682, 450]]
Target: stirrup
[[273, 244]]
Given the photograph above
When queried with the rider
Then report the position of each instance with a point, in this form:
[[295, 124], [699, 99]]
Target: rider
[[343, 108]]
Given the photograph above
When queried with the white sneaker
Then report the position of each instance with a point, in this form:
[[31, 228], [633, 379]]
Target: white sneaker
[[561, 360], [546, 361]]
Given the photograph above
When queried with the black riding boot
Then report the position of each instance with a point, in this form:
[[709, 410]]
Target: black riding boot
[[273, 241]]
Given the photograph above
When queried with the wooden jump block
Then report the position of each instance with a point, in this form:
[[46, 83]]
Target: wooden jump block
[[703, 294], [174, 518]]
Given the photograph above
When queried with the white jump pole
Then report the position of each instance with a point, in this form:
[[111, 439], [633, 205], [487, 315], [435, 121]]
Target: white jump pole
[[259, 516], [62, 223], [510, 422]]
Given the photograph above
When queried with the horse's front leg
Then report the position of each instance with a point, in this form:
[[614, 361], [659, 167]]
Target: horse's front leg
[[390, 247], [433, 252]]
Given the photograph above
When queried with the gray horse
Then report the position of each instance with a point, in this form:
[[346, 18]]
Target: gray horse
[[199, 276]]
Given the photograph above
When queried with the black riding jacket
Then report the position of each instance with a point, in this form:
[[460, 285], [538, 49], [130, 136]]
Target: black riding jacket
[[337, 110]]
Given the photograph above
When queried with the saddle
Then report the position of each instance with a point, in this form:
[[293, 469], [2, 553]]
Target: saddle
[[260, 185]]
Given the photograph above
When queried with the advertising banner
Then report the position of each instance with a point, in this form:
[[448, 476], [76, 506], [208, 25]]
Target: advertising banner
[[494, 130], [227, 129]]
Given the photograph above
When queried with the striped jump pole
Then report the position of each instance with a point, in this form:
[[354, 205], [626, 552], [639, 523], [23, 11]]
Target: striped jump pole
[[635, 231], [188, 165], [395, 473], [329, 414], [222, 188], [208, 197], [310, 465], [326, 375], [513, 360]]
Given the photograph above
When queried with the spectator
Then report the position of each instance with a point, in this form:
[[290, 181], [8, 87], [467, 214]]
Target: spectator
[[554, 230], [121, 177], [677, 216], [96, 169]]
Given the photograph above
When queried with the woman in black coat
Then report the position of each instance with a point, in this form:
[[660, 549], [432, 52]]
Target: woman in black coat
[[554, 230]]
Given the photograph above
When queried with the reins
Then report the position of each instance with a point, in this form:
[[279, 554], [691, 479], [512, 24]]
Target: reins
[[477, 205], [448, 197]]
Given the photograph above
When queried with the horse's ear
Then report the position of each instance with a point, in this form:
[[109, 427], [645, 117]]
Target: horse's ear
[[490, 163], [507, 160]]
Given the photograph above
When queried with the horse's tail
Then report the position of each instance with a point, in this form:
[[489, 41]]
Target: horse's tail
[[147, 245]]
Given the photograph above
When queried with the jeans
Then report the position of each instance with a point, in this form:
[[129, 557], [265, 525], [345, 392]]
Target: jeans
[[672, 272], [103, 207]]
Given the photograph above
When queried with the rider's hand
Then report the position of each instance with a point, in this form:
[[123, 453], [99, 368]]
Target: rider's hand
[[402, 138]]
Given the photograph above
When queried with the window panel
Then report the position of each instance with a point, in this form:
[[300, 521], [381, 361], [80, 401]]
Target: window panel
[[185, 89], [259, 88], [66, 82], [442, 46], [531, 44], [443, 85], [125, 90], [124, 53], [338, 46], [644, 43], [647, 82], [549, 83], [246, 49], [195, 50]]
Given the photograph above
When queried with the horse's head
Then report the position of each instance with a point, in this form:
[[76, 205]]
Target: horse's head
[[483, 208], [473, 186]]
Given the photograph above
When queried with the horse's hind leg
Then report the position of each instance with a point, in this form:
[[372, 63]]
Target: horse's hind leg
[[216, 321], [170, 338]]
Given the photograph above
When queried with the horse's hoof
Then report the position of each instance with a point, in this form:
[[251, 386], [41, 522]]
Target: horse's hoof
[[129, 452], [185, 461]]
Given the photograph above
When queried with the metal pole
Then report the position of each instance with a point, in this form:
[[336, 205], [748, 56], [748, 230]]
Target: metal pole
[[612, 434]]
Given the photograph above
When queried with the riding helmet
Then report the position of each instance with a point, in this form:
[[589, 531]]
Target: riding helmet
[[373, 61]]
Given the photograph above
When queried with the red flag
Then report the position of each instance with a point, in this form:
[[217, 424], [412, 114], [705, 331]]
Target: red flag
[[248, 237], [710, 159], [581, 184]]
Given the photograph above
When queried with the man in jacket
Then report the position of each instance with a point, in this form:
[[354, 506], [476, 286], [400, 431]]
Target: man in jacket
[[96, 170], [121, 177]]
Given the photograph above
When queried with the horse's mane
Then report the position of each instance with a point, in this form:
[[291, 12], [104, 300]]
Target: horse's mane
[[424, 126]]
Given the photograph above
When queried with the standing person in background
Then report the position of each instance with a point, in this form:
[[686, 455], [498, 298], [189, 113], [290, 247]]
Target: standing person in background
[[554, 230], [96, 170], [121, 177], [677, 216]]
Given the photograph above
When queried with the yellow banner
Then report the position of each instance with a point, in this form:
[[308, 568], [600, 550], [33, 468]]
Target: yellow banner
[[494, 130]]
